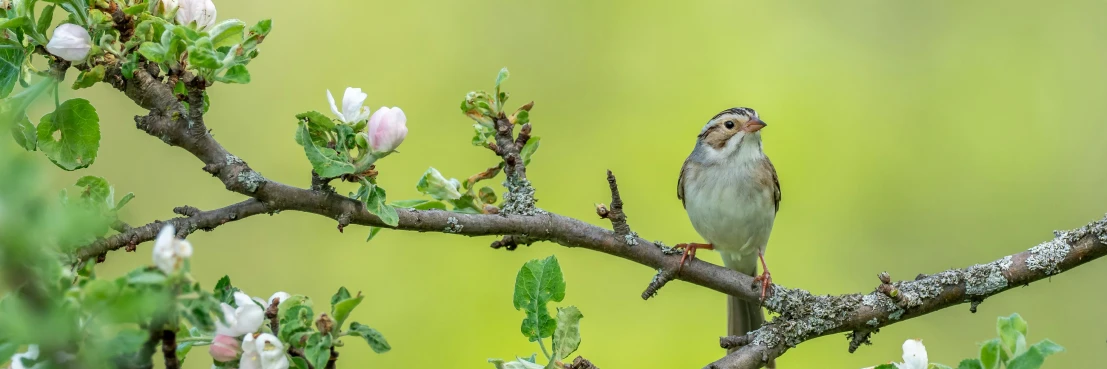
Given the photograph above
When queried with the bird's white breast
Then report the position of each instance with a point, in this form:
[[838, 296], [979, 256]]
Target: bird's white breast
[[730, 208]]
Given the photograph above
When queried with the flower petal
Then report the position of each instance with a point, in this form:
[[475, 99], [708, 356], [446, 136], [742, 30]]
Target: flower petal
[[284, 296], [352, 101], [334, 108], [914, 354]]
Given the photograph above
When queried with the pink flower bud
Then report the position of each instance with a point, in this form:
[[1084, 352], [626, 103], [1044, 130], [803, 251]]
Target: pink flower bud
[[224, 348], [70, 42], [387, 129]]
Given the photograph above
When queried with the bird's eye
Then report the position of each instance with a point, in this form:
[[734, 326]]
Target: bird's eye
[[729, 124]]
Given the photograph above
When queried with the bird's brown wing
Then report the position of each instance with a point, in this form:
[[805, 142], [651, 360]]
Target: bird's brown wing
[[776, 184], [680, 183]]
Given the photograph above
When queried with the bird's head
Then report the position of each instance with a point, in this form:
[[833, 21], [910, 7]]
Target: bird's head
[[731, 129]]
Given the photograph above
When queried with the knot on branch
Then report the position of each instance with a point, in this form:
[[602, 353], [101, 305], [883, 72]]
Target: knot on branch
[[615, 214], [858, 338], [512, 241], [734, 342], [188, 211], [581, 363]]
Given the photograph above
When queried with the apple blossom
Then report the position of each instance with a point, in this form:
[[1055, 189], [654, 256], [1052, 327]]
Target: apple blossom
[[247, 318], [30, 354], [170, 252], [224, 348], [264, 351], [70, 42], [202, 12], [353, 109], [387, 129]]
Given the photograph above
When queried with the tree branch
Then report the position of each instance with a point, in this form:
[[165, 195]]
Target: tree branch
[[803, 316]]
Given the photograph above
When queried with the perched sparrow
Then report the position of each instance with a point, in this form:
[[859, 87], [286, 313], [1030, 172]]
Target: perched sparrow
[[731, 193]]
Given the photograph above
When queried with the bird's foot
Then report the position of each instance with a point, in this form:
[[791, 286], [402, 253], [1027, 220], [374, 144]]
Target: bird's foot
[[690, 252], [766, 278]]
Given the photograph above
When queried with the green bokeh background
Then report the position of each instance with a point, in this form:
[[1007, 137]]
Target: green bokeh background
[[909, 137]]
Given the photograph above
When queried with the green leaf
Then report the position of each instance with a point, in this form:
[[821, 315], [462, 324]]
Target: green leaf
[[14, 23], [126, 199], [326, 162], [373, 233], [970, 364], [342, 294], [129, 65], [147, 278], [182, 351], [318, 350], [500, 78], [528, 150], [990, 354], [420, 204], [374, 338], [154, 52], [97, 191], [236, 74], [78, 126], [342, 310], [44, 19], [12, 54], [1031, 359], [128, 340], [1047, 347], [136, 9], [202, 54], [295, 322], [376, 205], [487, 195], [566, 337], [1009, 329], [885, 366], [482, 135], [938, 366], [538, 283], [227, 33], [262, 28], [25, 134], [90, 77], [299, 363], [223, 291]]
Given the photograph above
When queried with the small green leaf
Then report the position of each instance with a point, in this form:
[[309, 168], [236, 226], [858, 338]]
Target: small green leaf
[[88, 78], [1035, 355], [482, 135], [376, 205], [202, 54], [126, 199], [487, 195], [146, 278], [885, 366], [12, 54], [299, 363], [44, 19], [326, 162], [129, 65], [236, 74], [938, 366], [342, 294], [538, 283], [25, 134], [566, 337], [223, 291], [295, 322], [227, 33], [136, 9], [1009, 329], [990, 354], [14, 23], [970, 364], [318, 349], [262, 28], [79, 130], [372, 336], [528, 150], [500, 78], [420, 204], [154, 52], [182, 351], [97, 191], [373, 233], [343, 308]]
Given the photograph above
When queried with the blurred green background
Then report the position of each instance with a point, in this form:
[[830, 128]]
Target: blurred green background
[[909, 137]]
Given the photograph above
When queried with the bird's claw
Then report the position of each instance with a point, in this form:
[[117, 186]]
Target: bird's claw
[[689, 252], [766, 280]]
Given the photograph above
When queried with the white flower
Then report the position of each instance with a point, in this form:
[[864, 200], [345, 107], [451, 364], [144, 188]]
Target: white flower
[[245, 319], [200, 11], [170, 252], [284, 296], [522, 364], [352, 109], [30, 354], [387, 129], [914, 355], [263, 352], [70, 42]]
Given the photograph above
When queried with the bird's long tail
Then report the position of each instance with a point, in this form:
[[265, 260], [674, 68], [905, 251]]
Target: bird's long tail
[[743, 316]]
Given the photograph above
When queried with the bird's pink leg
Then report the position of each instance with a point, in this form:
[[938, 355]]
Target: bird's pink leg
[[765, 278], [690, 251]]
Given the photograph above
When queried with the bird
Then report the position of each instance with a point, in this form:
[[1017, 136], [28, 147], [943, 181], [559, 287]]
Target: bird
[[731, 193]]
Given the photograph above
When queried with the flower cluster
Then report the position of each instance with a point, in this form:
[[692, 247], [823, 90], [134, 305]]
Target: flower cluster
[[387, 127]]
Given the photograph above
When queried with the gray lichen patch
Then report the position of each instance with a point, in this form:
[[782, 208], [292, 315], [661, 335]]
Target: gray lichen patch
[[1046, 256], [251, 180], [873, 322], [986, 279], [452, 226], [804, 315], [232, 160], [631, 239], [519, 199], [879, 302]]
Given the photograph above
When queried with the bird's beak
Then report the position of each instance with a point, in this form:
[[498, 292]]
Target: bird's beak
[[754, 126]]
